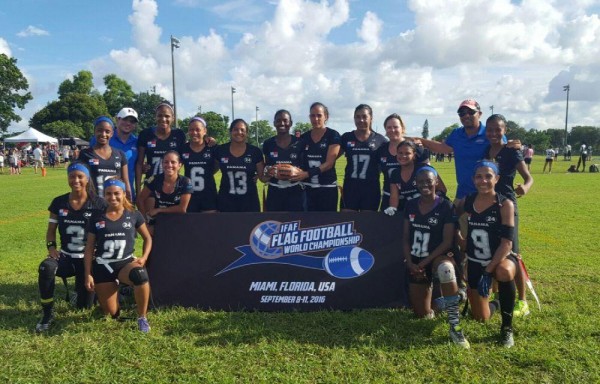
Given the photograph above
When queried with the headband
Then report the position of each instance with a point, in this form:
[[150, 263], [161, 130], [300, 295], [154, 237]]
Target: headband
[[489, 164], [198, 118], [165, 105], [104, 119], [79, 167], [427, 168], [114, 182]]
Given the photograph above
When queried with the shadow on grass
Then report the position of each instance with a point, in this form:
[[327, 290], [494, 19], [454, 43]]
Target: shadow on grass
[[384, 328]]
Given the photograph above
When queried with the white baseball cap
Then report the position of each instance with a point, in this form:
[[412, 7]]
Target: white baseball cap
[[126, 112]]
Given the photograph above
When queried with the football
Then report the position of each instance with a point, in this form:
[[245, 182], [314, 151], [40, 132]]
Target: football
[[283, 171], [348, 262]]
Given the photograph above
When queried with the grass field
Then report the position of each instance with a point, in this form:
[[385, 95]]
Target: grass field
[[560, 343]]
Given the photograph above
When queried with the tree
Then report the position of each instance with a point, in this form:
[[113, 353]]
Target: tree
[[12, 86], [302, 127], [585, 134], [145, 104], [425, 133], [265, 131], [77, 108], [82, 83], [445, 133], [515, 131], [557, 137], [62, 128], [118, 94]]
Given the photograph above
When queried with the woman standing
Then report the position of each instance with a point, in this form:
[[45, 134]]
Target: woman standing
[[510, 160], [70, 214], [199, 166], [105, 161], [489, 242], [109, 254], [153, 143], [321, 150], [167, 192], [283, 154], [240, 163]]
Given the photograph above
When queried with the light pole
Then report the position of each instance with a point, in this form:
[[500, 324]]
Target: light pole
[[257, 125], [232, 110], [566, 88], [174, 44], [492, 108]]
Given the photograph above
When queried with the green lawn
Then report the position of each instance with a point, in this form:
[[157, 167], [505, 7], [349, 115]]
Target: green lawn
[[561, 343]]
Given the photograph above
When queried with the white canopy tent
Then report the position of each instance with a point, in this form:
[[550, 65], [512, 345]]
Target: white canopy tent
[[31, 135]]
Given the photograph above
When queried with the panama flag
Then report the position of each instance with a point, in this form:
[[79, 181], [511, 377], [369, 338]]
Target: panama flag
[[100, 224], [63, 212]]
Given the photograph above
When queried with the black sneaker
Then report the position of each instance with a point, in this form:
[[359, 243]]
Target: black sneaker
[[44, 323], [506, 337], [457, 336]]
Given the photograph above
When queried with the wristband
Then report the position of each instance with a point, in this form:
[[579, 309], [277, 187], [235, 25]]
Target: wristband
[[314, 171], [52, 221], [50, 244]]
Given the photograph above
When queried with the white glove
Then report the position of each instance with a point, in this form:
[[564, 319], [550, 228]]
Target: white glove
[[390, 211]]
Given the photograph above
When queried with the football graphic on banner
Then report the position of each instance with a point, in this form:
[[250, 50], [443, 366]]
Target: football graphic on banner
[[348, 262], [260, 240]]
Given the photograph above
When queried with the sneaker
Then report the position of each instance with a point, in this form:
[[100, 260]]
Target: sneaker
[[44, 323], [458, 337], [506, 337], [143, 325], [521, 309], [462, 294]]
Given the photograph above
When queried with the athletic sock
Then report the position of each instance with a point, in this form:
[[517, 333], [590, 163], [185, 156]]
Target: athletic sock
[[507, 292], [452, 309], [494, 305], [47, 308]]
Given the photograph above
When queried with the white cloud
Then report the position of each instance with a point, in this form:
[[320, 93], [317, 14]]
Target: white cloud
[[5, 48], [33, 31]]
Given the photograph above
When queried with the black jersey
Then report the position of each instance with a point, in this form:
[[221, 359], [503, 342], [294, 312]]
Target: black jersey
[[315, 154], [484, 229], [387, 163], [362, 161], [102, 169], [238, 173], [507, 159], [72, 223], [156, 148], [407, 190], [427, 230], [274, 154], [115, 240], [199, 167], [183, 186]]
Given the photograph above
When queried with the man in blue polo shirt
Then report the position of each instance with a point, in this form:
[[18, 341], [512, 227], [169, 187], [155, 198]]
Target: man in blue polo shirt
[[468, 143], [126, 141]]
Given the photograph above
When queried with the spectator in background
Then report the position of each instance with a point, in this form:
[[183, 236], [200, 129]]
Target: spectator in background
[[583, 152], [38, 158], [66, 154], [549, 159], [528, 156]]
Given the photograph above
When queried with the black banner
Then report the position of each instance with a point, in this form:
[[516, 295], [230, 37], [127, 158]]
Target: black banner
[[278, 261]]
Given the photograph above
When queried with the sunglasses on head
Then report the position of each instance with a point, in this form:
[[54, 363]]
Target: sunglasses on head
[[469, 112]]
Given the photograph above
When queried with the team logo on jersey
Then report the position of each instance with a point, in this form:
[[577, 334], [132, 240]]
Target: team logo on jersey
[[322, 145], [293, 156], [172, 144], [177, 198], [186, 156], [490, 219], [206, 155], [94, 161], [224, 160], [372, 145], [100, 224], [286, 243], [383, 159], [247, 160], [432, 220], [274, 155], [411, 217], [63, 212], [87, 215], [151, 144], [117, 164], [127, 225]]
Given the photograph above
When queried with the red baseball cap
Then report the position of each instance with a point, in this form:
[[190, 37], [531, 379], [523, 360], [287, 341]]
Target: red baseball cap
[[471, 104]]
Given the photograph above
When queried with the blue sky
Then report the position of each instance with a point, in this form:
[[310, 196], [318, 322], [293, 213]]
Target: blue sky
[[418, 58]]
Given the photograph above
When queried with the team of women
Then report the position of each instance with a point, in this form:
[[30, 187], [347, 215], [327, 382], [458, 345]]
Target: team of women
[[97, 223]]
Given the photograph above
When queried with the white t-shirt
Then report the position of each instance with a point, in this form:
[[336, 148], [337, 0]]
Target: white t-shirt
[[37, 154], [550, 153]]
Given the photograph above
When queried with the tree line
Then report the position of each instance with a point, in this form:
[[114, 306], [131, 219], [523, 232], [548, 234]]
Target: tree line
[[79, 103]]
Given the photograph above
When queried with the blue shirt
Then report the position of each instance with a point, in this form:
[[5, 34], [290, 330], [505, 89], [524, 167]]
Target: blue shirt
[[467, 151], [130, 150]]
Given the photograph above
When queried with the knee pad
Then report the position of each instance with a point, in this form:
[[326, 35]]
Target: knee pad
[[445, 272], [138, 276], [48, 268]]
